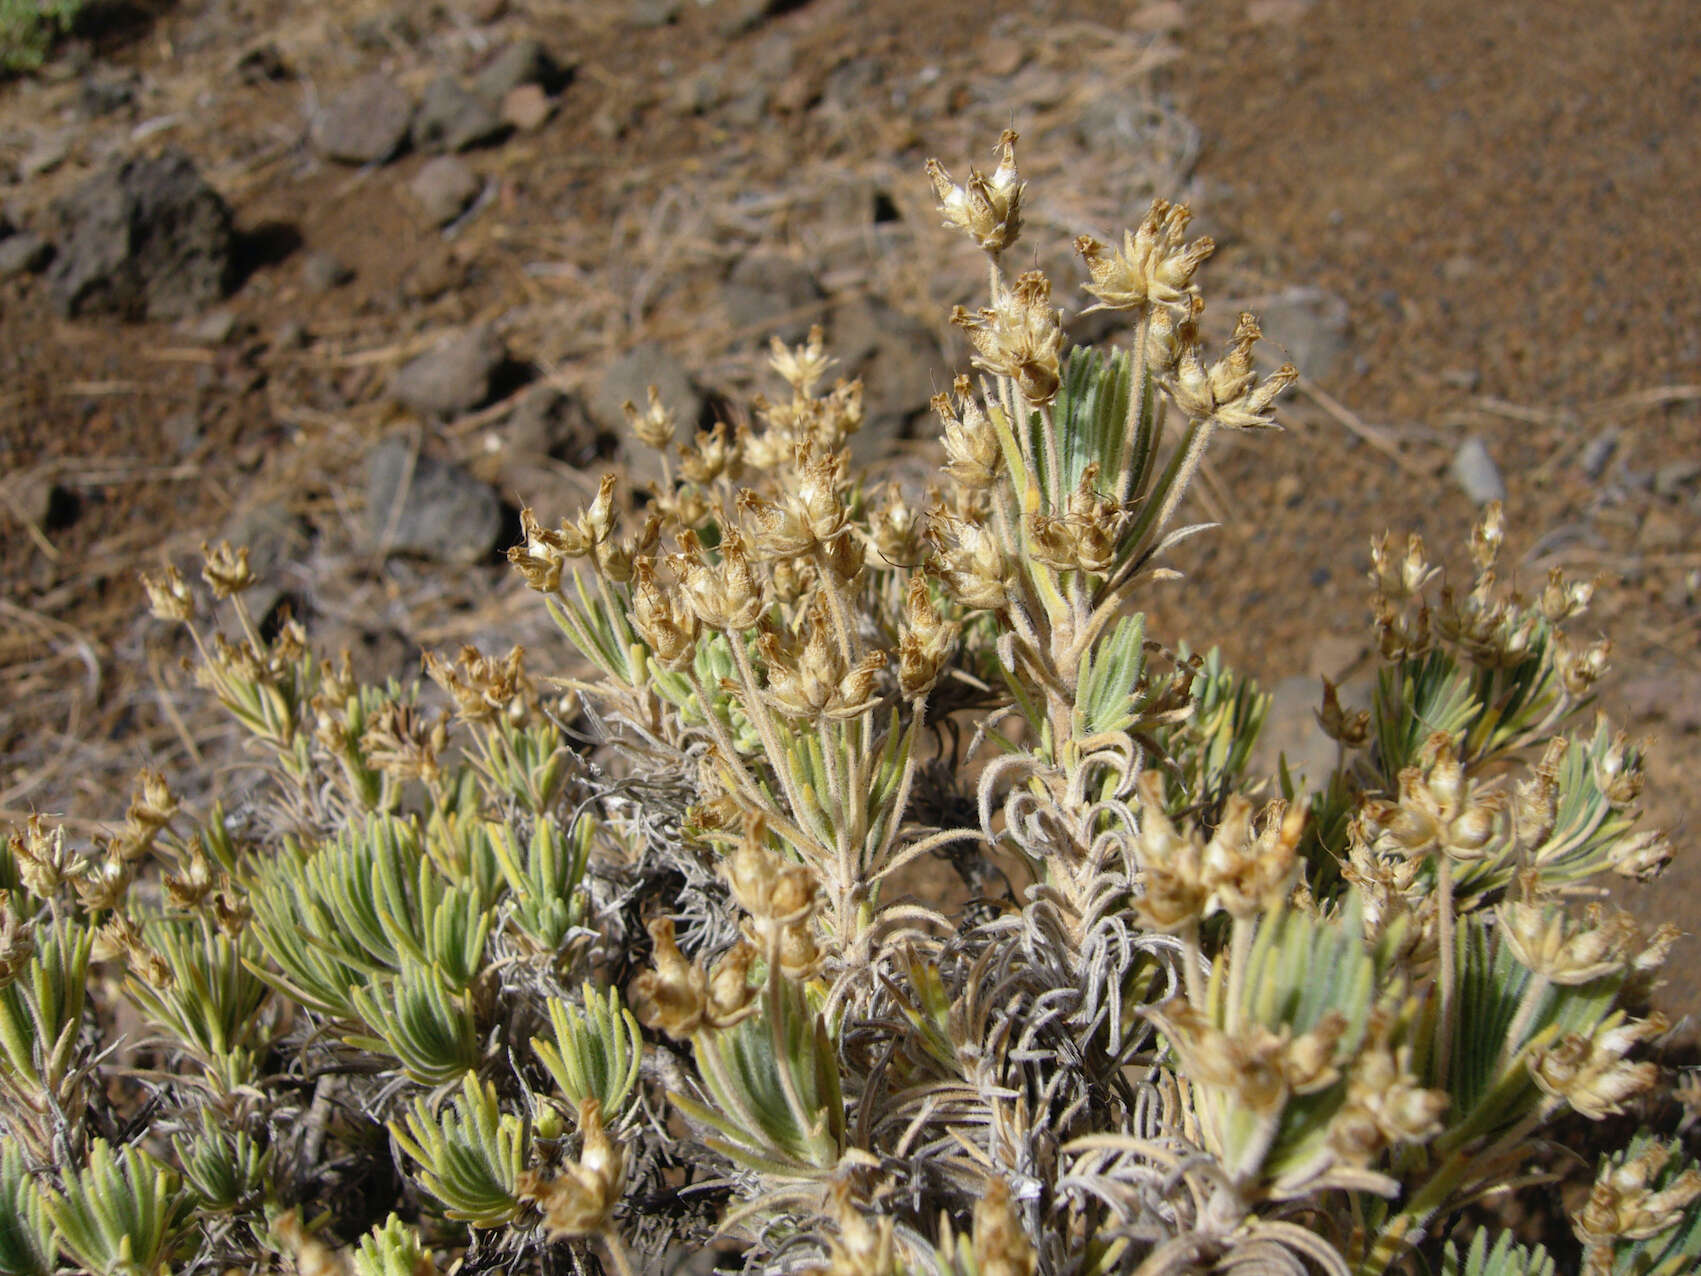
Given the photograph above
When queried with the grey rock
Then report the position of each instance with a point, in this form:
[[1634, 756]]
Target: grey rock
[[628, 379], [770, 295], [652, 13], [1475, 471], [291, 334], [364, 124], [1675, 478], [25, 253], [527, 108], [900, 364], [183, 431], [1598, 454], [275, 538], [553, 424], [445, 188], [416, 504], [261, 63], [735, 17], [1672, 696], [323, 272], [522, 62], [145, 239], [453, 376], [49, 152], [438, 271], [749, 109], [701, 91], [214, 329], [1310, 327], [1661, 532], [452, 118], [1291, 730]]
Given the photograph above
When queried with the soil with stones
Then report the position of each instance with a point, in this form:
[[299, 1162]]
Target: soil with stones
[[352, 282]]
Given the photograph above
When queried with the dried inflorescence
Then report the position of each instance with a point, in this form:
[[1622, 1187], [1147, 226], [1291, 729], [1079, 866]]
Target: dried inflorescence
[[492, 975]]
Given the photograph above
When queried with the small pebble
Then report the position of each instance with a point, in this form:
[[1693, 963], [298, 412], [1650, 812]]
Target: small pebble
[[323, 272], [1598, 453], [445, 188], [527, 108], [25, 253], [1475, 471]]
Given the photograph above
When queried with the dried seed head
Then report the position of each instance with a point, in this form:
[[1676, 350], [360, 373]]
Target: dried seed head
[[102, 887], [1385, 1104], [673, 997], [725, 595], [401, 741], [1229, 392], [169, 597], [1000, 1246], [731, 998], [806, 517], [1439, 810], [44, 860], [653, 426], [987, 210], [485, 690], [1643, 856], [803, 366], [1020, 337], [1349, 729], [712, 455], [1562, 599], [1623, 1205], [192, 882], [973, 456], [1171, 865], [226, 570], [152, 808], [666, 624], [772, 891], [894, 529], [17, 941], [540, 557], [972, 563], [1590, 1072], [810, 680], [1580, 667], [1567, 950], [1618, 771], [1155, 267], [925, 641], [1087, 536], [579, 1200], [1246, 874], [1487, 537]]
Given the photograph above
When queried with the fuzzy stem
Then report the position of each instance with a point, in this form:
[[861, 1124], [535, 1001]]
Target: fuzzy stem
[[1449, 959], [617, 1252]]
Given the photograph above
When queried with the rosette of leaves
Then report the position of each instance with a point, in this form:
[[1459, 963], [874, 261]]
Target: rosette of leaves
[[772, 1081], [211, 1000], [1505, 1258], [41, 1015], [544, 873], [420, 1019], [120, 1214], [224, 1166], [26, 1231], [596, 1051], [393, 1249], [470, 1155]]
